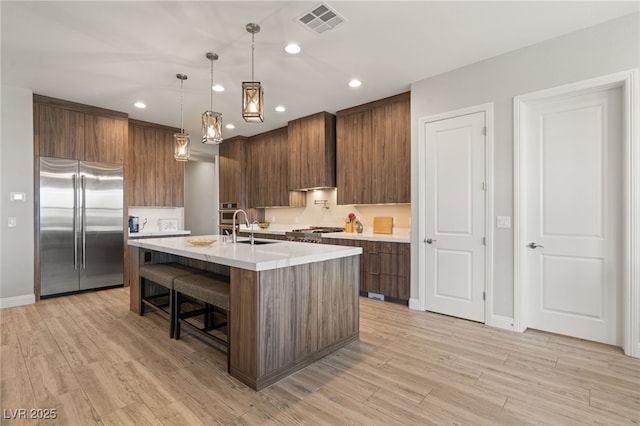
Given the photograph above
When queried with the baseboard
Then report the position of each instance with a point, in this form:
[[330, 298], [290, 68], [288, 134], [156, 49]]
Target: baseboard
[[10, 302], [499, 321], [415, 304]]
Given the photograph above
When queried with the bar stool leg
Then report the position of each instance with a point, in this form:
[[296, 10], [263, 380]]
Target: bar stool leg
[[172, 313], [175, 322]]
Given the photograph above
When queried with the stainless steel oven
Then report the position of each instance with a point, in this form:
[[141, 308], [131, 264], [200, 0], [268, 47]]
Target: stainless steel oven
[[226, 217], [226, 213]]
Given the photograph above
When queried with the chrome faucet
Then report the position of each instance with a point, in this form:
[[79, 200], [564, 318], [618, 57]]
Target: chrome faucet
[[234, 237], [255, 222]]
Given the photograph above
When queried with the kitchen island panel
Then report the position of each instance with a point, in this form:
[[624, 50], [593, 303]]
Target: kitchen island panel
[[284, 319], [288, 317], [338, 302], [243, 330]]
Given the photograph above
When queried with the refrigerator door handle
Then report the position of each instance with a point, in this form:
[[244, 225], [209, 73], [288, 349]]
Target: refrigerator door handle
[[75, 220], [84, 221]]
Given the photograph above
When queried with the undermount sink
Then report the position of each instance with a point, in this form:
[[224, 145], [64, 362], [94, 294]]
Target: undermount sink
[[257, 242]]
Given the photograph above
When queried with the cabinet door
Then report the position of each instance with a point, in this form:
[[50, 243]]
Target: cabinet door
[[373, 150], [233, 167], [353, 163], [268, 169], [104, 139], [141, 167], [61, 132], [169, 177], [312, 151], [391, 152]]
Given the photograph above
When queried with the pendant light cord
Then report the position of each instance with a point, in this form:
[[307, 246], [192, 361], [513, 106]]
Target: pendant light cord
[[181, 107], [211, 86], [252, 54]]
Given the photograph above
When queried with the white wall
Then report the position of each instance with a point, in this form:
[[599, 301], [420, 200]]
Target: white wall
[[16, 175], [201, 197], [604, 49]]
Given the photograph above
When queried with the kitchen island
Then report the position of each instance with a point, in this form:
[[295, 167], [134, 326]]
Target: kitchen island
[[290, 303]]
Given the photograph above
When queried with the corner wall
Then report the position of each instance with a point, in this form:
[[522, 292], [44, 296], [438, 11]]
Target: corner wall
[[600, 50], [16, 175]]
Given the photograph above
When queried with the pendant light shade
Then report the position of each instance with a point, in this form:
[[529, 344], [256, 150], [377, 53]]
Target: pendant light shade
[[181, 149], [181, 140], [252, 93], [211, 120]]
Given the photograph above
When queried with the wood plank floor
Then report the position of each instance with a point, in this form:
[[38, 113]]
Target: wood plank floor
[[94, 362]]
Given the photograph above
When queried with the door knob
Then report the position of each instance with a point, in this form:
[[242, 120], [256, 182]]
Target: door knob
[[429, 241], [534, 245]]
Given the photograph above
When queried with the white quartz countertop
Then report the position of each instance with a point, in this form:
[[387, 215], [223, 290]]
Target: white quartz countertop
[[399, 235], [278, 254], [154, 234]]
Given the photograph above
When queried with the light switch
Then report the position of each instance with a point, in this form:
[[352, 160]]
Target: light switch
[[503, 222], [17, 196], [12, 222]]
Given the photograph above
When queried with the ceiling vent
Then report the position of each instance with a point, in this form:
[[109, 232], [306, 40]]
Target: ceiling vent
[[321, 18]]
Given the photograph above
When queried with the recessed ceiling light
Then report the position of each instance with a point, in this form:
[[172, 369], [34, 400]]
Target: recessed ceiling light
[[280, 108], [218, 88], [230, 126], [139, 104], [355, 83], [292, 48]]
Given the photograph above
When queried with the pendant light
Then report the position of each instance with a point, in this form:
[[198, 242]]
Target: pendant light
[[211, 121], [252, 93], [181, 140]]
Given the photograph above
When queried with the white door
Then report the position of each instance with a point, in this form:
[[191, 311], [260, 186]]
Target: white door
[[455, 216], [571, 236]]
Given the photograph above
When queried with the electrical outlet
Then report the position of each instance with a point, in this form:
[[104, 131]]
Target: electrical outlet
[[12, 222], [376, 296], [273, 219]]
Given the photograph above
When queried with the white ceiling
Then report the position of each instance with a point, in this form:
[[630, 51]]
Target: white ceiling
[[111, 54]]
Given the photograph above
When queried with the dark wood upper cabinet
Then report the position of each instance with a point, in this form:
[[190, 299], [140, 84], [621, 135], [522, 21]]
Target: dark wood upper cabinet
[[233, 171], [154, 178], [353, 159], [169, 172], [268, 171], [312, 151], [373, 152], [141, 166], [66, 129], [60, 132], [104, 138]]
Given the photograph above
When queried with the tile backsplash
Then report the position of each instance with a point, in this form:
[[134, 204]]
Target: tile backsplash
[[158, 218], [322, 210]]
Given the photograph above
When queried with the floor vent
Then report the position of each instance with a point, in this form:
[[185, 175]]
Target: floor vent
[[321, 18]]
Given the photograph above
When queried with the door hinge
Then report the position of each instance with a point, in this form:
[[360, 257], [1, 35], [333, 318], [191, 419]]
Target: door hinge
[[484, 296], [484, 241], [484, 186], [484, 131]]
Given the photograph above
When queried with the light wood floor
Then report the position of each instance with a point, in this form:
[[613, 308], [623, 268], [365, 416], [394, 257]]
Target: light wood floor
[[95, 362]]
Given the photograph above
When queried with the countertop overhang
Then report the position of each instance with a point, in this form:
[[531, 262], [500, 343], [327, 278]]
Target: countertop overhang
[[277, 254]]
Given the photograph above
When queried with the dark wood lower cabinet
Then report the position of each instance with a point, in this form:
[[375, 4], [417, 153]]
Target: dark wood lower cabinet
[[384, 268]]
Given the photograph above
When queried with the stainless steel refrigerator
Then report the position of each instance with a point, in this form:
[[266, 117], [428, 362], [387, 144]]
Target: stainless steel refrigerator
[[81, 225]]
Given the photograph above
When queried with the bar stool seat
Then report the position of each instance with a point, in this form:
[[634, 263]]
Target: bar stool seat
[[163, 274], [212, 291]]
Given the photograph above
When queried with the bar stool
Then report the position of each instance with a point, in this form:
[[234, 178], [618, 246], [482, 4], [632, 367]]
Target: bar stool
[[212, 291], [162, 274]]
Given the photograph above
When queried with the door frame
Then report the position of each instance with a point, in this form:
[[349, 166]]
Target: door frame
[[421, 302], [628, 82]]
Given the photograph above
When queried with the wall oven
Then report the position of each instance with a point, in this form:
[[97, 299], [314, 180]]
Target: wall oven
[[225, 222]]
